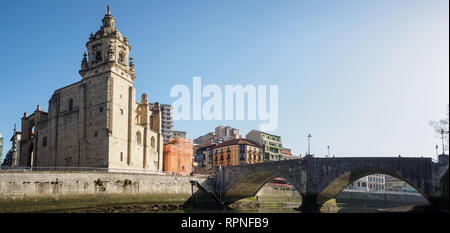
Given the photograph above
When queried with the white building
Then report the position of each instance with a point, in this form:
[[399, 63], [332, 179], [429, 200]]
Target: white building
[[374, 182]]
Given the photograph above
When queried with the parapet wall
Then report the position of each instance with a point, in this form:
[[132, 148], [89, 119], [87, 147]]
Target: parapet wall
[[41, 184]]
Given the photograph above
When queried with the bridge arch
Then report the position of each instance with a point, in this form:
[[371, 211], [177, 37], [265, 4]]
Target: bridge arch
[[320, 179], [249, 185], [238, 182], [333, 189]]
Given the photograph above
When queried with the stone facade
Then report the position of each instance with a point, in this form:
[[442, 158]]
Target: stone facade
[[321, 179], [44, 184], [12, 157], [96, 122]]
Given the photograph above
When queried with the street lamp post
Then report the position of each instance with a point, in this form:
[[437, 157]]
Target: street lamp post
[[328, 147], [309, 143], [437, 153]]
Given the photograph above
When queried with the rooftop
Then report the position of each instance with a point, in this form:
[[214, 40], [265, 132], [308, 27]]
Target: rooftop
[[238, 141]]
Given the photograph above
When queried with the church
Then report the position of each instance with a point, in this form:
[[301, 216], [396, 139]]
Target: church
[[97, 122]]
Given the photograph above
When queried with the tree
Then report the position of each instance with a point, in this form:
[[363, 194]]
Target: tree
[[442, 126]]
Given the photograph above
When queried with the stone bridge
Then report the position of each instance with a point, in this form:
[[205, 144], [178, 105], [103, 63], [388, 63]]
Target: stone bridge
[[321, 179]]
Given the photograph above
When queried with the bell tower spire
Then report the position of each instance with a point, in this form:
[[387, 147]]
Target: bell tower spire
[[107, 48]]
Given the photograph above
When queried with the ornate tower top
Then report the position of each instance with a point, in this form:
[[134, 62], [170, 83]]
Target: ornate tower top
[[107, 47], [108, 28], [108, 20]]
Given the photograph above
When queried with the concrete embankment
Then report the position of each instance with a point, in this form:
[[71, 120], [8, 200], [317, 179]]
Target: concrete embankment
[[47, 191]]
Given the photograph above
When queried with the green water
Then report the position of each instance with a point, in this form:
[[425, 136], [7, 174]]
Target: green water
[[343, 208]]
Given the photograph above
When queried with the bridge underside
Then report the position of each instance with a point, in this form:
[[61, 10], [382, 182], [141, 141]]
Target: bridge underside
[[340, 183], [248, 186]]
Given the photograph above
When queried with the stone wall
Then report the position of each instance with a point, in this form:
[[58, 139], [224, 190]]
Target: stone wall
[[23, 185], [268, 190], [381, 197]]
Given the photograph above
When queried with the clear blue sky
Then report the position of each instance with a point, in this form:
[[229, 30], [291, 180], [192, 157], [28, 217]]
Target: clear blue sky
[[364, 77]]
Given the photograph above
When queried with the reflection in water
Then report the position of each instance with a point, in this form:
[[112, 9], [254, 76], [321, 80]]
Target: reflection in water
[[343, 208], [365, 208]]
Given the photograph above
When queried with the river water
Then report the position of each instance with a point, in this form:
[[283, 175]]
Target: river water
[[343, 208]]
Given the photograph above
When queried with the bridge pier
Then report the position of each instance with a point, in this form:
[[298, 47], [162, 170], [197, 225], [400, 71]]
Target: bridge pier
[[309, 204], [321, 179]]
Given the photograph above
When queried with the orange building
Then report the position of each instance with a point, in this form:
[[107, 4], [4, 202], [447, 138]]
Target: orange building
[[178, 155], [236, 152]]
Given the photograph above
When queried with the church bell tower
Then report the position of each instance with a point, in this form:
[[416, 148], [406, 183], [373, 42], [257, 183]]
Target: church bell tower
[[107, 50]]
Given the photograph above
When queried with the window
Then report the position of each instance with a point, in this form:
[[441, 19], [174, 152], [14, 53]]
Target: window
[[121, 111], [121, 156], [241, 156], [101, 109], [242, 148], [70, 105], [95, 134], [32, 129], [152, 142], [44, 142], [138, 137]]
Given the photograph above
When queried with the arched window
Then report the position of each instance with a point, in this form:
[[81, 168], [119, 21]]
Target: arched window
[[32, 130], [152, 142], [138, 138], [70, 105]]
